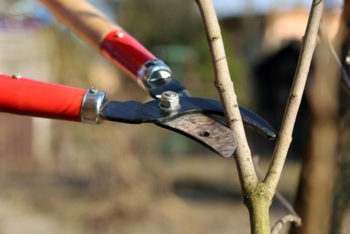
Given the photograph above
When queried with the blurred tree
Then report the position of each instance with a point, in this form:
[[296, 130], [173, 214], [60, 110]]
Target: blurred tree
[[342, 189]]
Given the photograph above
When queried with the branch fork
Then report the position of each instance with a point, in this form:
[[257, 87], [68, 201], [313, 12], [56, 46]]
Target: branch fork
[[258, 194]]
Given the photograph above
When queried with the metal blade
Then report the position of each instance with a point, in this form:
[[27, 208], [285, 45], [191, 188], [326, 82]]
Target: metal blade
[[197, 126], [136, 112], [206, 131], [193, 118]]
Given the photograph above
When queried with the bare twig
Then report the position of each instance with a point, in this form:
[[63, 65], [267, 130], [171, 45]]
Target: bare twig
[[288, 218], [279, 197], [344, 78], [227, 94], [253, 190], [296, 93]]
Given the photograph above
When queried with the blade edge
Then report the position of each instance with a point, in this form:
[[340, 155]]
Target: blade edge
[[206, 131]]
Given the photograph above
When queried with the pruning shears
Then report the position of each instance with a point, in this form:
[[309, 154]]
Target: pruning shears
[[172, 108]]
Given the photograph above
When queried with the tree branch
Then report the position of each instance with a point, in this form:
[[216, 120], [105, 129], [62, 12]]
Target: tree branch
[[279, 197], [252, 189], [288, 218], [227, 94], [285, 134]]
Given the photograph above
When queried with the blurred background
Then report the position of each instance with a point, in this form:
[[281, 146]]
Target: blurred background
[[63, 177]]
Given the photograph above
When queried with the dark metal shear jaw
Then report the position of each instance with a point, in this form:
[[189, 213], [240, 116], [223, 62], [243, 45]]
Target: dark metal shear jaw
[[135, 112], [249, 118]]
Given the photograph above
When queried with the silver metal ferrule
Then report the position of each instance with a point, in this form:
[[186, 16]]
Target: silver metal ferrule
[[154, 72], [92, 104]]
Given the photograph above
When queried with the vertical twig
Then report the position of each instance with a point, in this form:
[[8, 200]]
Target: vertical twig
[[253, 190], [296, 93], [227, 94], [316, 186]]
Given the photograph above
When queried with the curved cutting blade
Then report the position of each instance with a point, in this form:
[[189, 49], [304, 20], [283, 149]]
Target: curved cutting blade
[[206, 131]]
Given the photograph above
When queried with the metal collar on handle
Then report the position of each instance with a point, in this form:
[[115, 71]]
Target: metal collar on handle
[[92, 104], [154, 73]]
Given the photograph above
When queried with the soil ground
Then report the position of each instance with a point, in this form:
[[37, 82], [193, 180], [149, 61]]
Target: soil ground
[[201, 202]]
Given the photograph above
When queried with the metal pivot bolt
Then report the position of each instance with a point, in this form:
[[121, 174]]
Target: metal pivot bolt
[[169, 101]]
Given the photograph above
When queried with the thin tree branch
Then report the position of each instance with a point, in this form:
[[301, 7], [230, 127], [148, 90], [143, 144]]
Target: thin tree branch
[[279, 197], [344, 78], [227, 94], [288, 218], [285, 135]]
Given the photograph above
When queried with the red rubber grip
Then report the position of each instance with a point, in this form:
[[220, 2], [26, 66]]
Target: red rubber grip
[[125, 51], [35, 98]]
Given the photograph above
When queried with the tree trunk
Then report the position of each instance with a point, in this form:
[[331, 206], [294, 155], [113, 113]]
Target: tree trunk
[[342, 196]]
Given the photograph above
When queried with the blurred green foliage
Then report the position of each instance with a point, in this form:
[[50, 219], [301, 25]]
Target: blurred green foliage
[[173, 31]]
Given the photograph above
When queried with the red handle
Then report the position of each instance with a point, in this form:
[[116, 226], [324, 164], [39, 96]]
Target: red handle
[[35, 98], [125, 51]]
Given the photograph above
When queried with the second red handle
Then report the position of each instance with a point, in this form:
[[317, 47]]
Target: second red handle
[[125, 51]]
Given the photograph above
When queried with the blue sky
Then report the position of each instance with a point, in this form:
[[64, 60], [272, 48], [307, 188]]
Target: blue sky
[[227, 8]]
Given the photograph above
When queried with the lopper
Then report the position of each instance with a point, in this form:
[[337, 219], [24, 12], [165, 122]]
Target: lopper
[[172, 108]]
